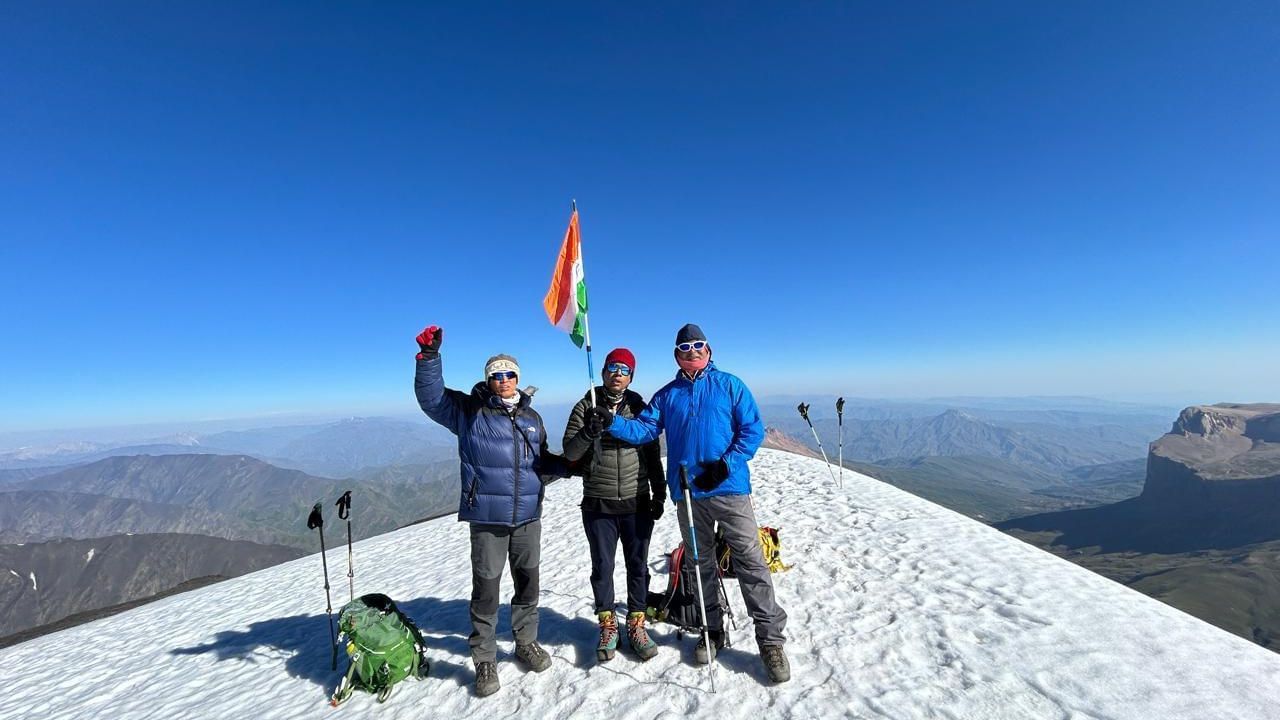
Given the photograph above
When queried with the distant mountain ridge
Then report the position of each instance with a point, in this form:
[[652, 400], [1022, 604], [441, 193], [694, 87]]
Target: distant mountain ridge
[[335, 450], [778, 440], [261, 500], [40, 515], [960, 433], [215, 498]]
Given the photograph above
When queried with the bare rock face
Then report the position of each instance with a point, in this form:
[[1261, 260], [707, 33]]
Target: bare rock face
[[778, 440], [1213, 482], [1223, 457]]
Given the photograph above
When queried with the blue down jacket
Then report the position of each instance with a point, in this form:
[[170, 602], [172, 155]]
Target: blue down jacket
[[503, 454], [706, 419]]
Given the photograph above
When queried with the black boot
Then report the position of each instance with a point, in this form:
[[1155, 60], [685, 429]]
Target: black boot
[[700, 653]]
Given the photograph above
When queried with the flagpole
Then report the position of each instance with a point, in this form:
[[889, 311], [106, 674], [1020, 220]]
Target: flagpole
[[586, 322]]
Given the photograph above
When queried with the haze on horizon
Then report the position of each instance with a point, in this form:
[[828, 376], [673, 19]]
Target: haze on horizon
[[242, 211]]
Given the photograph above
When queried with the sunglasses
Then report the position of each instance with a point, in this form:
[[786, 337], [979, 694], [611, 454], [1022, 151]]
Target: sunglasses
[[618, 368], [501, 376], [695, 345]]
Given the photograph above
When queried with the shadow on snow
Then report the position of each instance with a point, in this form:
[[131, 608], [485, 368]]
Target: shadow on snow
[[445, 626]]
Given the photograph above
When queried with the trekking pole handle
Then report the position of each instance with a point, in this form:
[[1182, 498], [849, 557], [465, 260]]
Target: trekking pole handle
[[315, 519], [804, 412], [344, 506]]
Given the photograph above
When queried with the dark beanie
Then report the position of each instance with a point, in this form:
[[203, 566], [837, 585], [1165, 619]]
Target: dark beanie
[[623, 356], [690, 333]]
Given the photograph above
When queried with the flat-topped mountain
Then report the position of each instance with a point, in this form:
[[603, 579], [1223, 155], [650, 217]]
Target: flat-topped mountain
[[1216, 452], [1204, 533]]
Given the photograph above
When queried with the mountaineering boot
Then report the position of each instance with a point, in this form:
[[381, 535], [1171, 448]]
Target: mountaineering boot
[[533, 656], [775, 663], [608, 636], [639, 638], [486, 679], [700, 653]]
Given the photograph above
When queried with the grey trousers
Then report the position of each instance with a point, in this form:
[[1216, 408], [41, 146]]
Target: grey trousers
[[492, 547], [738, 520]]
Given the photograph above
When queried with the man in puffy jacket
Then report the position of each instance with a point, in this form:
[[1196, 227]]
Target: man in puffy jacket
[[713, 428], [616, 502], [503, 447]]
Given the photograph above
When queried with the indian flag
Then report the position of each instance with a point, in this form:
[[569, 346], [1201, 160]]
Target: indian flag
[[566, 300]]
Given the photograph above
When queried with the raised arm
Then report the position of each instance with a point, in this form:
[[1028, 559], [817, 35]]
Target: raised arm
[[438, 402]]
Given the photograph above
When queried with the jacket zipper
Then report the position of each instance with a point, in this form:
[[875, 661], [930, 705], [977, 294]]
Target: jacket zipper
[[515, 499]]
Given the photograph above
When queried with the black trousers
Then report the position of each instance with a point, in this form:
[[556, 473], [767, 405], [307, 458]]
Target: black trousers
[[603, 533]]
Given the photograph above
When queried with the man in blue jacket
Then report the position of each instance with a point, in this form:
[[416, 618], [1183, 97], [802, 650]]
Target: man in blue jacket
[[503, 447], [713, 427]]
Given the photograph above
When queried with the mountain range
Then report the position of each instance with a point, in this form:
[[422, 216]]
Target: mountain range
[[337, 449], [252, 498], [196, 504], [1204, 533], [897, 608]]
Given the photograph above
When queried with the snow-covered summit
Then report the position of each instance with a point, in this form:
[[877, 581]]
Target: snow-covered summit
[[898, 609]]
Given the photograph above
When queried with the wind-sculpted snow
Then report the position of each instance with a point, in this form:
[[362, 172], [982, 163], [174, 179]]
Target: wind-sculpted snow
[[898, 609]]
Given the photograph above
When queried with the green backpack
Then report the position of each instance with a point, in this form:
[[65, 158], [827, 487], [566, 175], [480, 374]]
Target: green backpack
[[384, 645]]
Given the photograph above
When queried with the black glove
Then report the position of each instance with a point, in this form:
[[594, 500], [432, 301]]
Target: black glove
[[656, 506], [597, 420], [712, 475], [429, 342]]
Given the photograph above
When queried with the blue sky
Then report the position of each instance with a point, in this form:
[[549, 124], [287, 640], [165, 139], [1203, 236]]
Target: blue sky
[[228, 209]]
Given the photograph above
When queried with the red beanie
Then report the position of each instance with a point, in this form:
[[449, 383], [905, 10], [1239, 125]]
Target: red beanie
[[623, 356]]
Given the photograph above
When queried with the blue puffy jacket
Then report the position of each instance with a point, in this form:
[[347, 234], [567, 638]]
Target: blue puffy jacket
[[503, 453], [706, 419]]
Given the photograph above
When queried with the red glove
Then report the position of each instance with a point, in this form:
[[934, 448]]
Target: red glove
[[429, 342]]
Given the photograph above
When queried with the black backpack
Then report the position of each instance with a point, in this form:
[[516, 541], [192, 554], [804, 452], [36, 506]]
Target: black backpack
[[678, 605]]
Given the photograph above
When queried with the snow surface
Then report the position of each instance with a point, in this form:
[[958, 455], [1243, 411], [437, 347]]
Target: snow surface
[[88, 557], [34, 586], [898, 609]]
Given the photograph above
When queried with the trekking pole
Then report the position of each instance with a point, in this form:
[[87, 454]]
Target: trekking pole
[[697, 571], [344, 513], [804, 413], [840, 419], [316, 522]]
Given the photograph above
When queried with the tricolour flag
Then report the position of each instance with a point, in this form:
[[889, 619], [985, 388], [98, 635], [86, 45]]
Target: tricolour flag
[[566, 300]]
